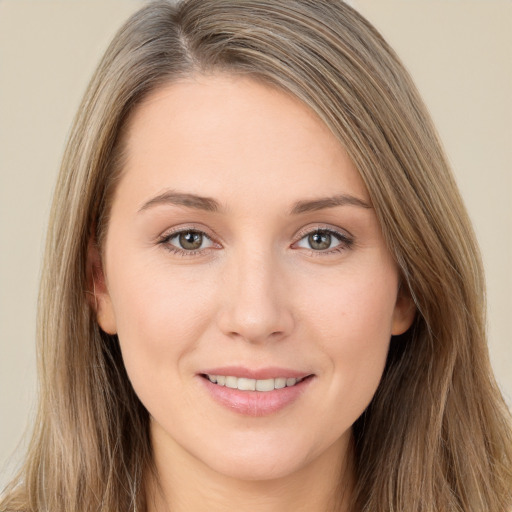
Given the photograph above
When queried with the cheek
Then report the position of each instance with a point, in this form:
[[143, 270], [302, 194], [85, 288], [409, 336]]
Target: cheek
[[351, 319], [161, 314]]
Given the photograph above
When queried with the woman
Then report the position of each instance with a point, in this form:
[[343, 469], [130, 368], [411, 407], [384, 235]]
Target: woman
[[261, 289]]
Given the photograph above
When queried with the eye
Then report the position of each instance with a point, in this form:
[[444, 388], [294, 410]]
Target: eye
[[187, 241], [324, 240]]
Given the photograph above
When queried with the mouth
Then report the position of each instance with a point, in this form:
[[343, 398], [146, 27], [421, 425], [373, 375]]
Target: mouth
[[255, 393], [246, 384]]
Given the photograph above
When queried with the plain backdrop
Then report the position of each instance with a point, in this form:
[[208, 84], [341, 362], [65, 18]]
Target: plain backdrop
[[458, 51]]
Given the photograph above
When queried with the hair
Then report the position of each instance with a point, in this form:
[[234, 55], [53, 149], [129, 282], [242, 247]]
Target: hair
[[437, 435]]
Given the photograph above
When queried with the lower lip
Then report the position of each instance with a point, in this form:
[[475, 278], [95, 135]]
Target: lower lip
[[256, 403]]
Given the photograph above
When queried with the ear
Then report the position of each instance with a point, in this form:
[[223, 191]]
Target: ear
[[97, 294], [404, 313]]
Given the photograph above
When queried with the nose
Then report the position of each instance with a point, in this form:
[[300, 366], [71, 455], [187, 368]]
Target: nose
[[255, 303]]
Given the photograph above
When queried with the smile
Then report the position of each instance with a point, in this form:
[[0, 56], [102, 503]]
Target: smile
[[245, 384], [252, 396]]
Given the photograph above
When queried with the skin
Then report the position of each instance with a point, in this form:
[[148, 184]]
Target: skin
[[256, 294]]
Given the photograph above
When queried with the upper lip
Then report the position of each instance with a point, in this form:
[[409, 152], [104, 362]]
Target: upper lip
[[258, 374]]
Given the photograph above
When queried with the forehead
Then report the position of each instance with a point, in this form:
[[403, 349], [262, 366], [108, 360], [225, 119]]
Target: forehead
[[226, 136]]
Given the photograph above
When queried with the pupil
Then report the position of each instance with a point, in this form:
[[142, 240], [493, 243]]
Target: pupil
[[320, 241], [191, 240]]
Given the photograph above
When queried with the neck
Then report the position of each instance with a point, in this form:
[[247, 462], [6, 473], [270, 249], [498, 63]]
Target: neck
[[180, 483]]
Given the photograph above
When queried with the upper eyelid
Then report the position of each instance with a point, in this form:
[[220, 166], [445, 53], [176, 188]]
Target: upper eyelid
[[343, 233], [172, 232]]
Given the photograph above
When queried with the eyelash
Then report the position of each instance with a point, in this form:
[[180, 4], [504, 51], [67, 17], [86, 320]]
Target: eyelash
[[345, 241], [165, 241]]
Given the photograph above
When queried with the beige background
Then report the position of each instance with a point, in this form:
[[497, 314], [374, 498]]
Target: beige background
[[459, 52]]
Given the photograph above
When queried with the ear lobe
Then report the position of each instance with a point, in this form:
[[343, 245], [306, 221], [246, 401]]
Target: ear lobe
[[97, 294], [404, 313]]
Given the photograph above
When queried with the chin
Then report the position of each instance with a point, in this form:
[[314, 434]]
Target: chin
[[272, 458], [258, 467]]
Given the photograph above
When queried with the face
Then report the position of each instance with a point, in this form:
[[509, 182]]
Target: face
[[247, 278]]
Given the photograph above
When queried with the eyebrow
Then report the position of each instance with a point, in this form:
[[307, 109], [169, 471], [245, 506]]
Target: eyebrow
[[211, 205], [328, 202], [181, 199]]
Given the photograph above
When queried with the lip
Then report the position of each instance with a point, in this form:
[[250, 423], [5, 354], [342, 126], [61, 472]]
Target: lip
[[256, 403], [258, 374]]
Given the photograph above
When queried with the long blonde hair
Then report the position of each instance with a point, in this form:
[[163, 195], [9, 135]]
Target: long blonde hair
[[437, 435]]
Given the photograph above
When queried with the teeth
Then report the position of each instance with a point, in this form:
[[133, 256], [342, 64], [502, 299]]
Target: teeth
[[265, 385], [244, 384], [280, 383], [231, 382]]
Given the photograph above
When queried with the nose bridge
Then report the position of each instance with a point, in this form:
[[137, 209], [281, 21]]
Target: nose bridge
[[255, 306]]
